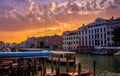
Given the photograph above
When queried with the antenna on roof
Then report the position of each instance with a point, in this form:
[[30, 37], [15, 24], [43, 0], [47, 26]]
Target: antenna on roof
[[112, 17], [28, 37], [83, 25]]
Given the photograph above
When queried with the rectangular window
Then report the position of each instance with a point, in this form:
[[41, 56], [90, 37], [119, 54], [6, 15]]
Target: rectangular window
[[101, 35], [76, 37], [108, 39], [76, 42], [108, 32], [101, 42], [101, 29], [104, 29], [79, 43]]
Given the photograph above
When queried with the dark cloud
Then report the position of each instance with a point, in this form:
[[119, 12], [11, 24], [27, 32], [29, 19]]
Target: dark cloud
[[113, 5], [74, 8], [88, 7], [93, 3], [102, 3], [117, 2], [33, 14]]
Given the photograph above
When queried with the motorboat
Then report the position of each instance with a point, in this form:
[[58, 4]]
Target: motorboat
[[75, 73], [62, 57]]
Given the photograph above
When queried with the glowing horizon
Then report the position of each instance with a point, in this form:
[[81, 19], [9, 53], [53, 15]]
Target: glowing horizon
[[22, 18]]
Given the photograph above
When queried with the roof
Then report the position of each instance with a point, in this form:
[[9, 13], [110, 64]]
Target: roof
[[62, 52], [31, 49], [25, 54], [39, 57]]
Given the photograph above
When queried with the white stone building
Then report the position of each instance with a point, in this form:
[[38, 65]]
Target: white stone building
[[2, 44], [98, 34], [23, 44], [29, 43], [83, 36], [70, 40]]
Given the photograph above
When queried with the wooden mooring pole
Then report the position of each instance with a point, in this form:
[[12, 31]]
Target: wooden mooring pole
[[79, 69], [0, 63], [74, 63], [52, 68], [67, 64], [58, 68], [41, 68], [44, 66], [94, 68]]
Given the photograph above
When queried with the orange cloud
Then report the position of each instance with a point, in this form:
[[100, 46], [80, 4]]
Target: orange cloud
[[21, 18]]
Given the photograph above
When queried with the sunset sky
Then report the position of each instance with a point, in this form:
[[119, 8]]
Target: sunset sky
[[22, 18]]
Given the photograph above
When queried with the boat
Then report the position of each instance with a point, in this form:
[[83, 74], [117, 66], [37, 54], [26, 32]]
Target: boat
[[102, 52], [99, 53], [75, 73], [117, 53], [29, 49], [62, 57], [24, 54]]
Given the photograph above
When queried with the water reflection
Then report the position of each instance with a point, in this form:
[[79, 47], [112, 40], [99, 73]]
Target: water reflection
[[104, 64]]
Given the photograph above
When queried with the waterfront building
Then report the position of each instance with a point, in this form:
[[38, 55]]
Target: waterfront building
[[8, 45], [32, 42], [99, 33], [116, 33], [70, 40], [53, 42], [14, 45], [22, 44], [2, 44], [29, 43], [83, 38]]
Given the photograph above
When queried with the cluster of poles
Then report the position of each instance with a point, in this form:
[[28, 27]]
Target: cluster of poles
[[55, 65], [58, 71]]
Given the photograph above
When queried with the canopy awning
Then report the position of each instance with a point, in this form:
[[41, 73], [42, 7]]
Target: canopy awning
[[85, 47], [25, 54], [39, 57]]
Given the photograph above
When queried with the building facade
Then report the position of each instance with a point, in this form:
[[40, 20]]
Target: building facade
[[116, 34], [53, 42], [2, 44], [70, 40], [100, 33], [83, 38]]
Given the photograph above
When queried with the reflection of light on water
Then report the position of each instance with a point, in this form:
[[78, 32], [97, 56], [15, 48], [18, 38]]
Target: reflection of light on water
[[105, 65], [107, 74]]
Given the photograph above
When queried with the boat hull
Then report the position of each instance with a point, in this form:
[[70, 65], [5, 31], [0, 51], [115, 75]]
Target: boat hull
[[61, 62], [88, 73]]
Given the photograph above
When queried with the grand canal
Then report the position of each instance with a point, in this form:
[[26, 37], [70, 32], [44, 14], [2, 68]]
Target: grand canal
[[105, 65]]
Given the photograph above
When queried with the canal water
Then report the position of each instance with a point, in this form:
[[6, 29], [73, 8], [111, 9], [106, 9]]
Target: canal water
[[105, 65]]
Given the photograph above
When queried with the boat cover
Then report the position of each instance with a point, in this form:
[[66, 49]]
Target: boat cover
[[25, 54]]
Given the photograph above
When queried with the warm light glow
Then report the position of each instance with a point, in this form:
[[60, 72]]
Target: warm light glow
[[22, 18]]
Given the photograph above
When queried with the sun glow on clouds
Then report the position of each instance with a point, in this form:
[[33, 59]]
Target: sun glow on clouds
[[20, 18]]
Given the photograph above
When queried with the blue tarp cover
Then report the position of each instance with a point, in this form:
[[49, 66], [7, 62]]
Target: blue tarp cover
[[24, 54]]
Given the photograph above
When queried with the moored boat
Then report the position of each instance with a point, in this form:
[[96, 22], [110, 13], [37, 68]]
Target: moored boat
[[117, 53], [102, 52], [62, 57], [75, 73]]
